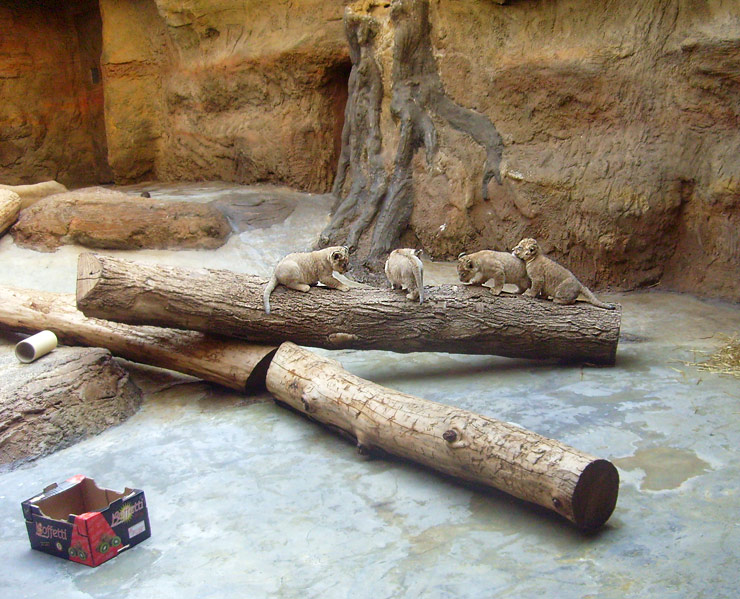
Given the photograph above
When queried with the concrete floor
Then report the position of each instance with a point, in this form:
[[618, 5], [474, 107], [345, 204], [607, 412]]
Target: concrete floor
[[249, 500]]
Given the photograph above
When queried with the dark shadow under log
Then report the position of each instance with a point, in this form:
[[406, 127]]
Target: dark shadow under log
[[453, 318]]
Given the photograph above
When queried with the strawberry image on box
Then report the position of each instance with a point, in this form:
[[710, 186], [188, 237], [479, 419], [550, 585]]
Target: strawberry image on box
[[79, 521]]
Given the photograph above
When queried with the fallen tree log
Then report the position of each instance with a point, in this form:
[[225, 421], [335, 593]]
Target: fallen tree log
[[453, 318], [228, 362], [580, 487], [10, 207], [67, 395]]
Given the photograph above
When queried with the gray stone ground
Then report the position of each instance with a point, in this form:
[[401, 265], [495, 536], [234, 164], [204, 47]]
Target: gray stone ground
[[249, 500]]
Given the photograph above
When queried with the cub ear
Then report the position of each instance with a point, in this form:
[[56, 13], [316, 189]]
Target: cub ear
[[461, 254], [337, 255], [418, 253]]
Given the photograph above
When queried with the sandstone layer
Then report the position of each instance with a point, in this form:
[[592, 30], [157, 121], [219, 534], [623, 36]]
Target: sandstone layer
[[102, 218]]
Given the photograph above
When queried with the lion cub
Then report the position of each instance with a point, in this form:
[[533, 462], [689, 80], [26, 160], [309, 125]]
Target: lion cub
[[302, 269], [502, 267], [551, 279], [405, 271]]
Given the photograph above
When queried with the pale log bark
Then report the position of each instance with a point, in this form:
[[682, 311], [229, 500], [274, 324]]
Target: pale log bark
[[453, 318], [10, 207], [228, 362], [63, 397], [30, 194], [578, 486]]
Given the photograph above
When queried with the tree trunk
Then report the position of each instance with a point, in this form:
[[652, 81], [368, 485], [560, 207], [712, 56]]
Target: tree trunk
[[67, 395], [228, 362], [578, 486], [453, 318], [397, 105], [10, 207]]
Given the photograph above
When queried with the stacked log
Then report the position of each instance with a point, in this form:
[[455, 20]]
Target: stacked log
[[228, 362]]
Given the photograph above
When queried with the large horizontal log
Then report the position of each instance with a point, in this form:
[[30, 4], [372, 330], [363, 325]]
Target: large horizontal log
[[453, 318], [229, 362], [578, 486]]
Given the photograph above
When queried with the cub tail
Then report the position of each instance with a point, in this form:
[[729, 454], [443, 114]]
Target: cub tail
[[592, 299], [268, 290], [418, 269]]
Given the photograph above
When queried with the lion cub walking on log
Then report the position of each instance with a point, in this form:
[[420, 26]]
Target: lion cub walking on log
[[502, 267], [550, 278], [405, 271], [302, 269]]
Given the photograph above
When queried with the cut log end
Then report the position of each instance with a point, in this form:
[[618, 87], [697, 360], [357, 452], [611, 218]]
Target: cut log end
[[88, 273], [595, 495]]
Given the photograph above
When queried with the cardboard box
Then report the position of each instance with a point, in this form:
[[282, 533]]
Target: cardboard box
[[81, 522]]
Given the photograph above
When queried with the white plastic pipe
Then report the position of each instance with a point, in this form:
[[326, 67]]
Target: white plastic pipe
[[35, 346]]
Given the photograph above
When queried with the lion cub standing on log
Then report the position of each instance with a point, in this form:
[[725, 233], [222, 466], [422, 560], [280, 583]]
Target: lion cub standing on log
[[405, 271], [302, 269], [502, 267], [550, 278]]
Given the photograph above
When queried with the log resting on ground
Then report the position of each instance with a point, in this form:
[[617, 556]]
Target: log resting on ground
[[63, 397], [453, 318], [580, 487], [229, 362]]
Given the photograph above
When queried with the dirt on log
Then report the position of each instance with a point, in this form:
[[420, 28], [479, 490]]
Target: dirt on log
[[578, 486], [232, 363], [63, 397], [453, 318]]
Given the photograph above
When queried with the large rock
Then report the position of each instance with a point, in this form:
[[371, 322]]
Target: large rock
[[102, 218], [61, 398]]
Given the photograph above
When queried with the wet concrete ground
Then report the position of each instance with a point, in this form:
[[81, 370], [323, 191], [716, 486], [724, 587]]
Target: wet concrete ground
[[249, 500]]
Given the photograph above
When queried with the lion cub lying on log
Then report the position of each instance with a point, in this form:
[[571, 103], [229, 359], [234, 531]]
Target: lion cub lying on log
[[405, 271], [502, 267], [302, 269], [550, 279]]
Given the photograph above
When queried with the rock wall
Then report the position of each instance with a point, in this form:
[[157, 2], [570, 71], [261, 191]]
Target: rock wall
[[237, 91], [619, 126], [51, 113]]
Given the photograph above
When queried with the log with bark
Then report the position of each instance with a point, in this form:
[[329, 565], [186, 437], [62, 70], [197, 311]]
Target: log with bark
[[453, 318], [10, 207], [578, 486], [228, 362], [65, 396]]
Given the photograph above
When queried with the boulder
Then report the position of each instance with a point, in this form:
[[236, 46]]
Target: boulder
[[97, 217]]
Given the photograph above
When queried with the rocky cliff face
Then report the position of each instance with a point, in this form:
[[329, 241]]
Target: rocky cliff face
[[51, 91], [619, 127], [238, 91], [608, 131]]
